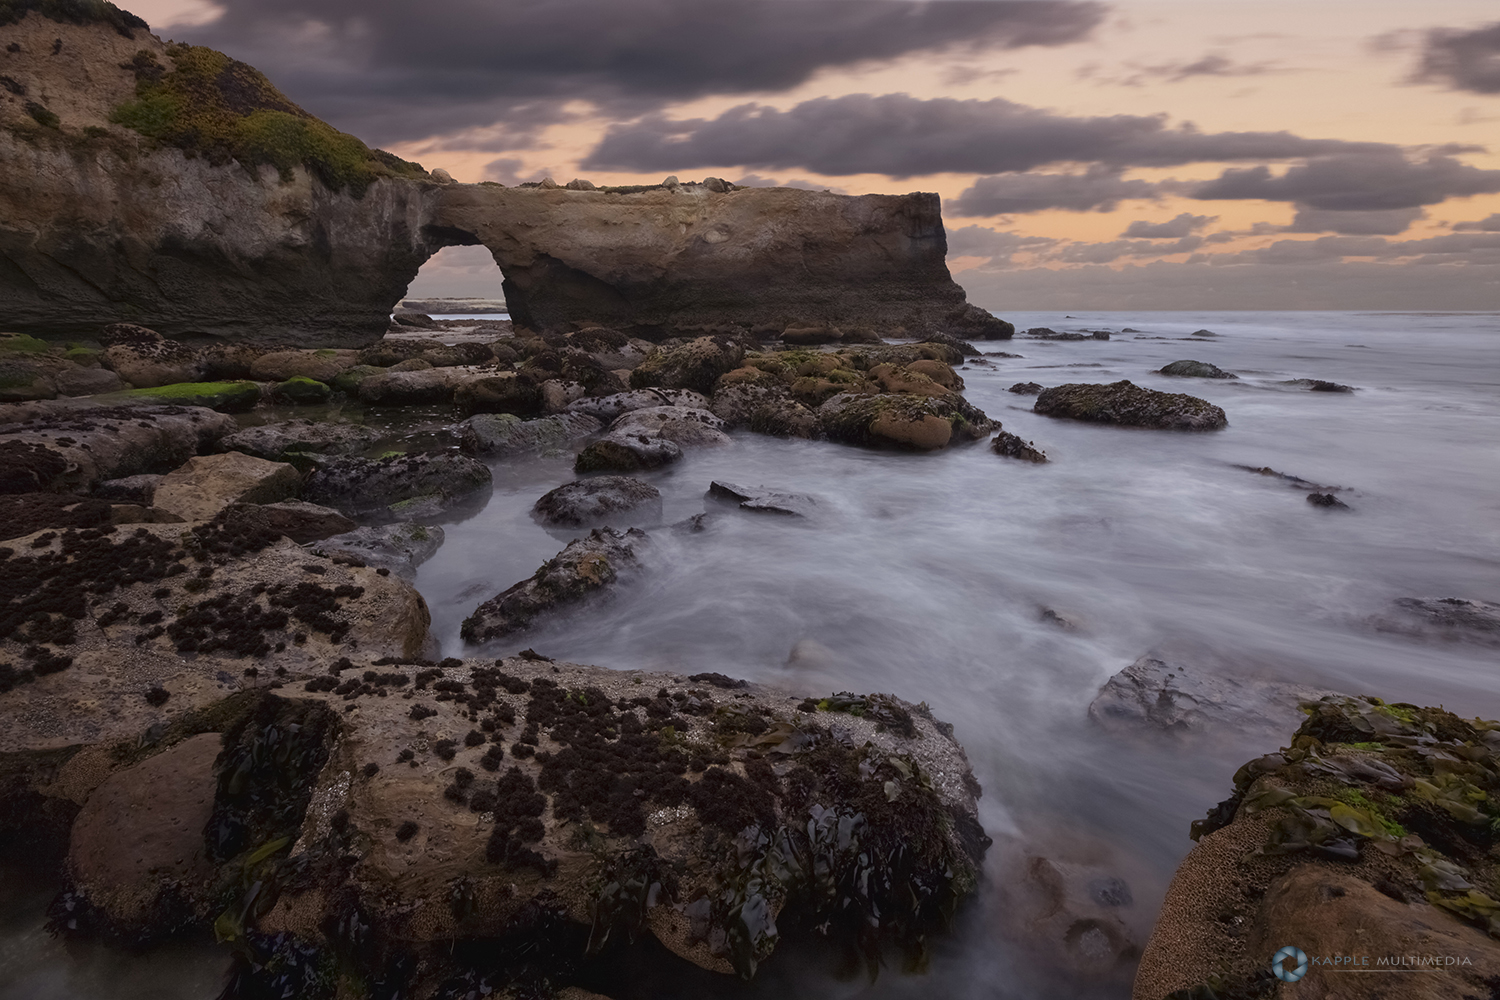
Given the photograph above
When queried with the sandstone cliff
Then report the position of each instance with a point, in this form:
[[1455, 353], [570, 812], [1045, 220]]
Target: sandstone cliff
[[172, 186]]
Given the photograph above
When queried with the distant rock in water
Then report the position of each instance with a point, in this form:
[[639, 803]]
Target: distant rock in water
[[1181, 699], [1013, 446], [1129, 405], [1328, 501], [1194, 369], [1447, 618], [1317, 385], [758, 498], [1026, 388]]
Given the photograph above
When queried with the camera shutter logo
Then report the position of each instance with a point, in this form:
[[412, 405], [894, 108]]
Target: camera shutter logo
[[1289, 964]]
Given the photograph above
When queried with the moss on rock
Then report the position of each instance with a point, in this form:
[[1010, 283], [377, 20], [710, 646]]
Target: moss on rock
[[226, 397]]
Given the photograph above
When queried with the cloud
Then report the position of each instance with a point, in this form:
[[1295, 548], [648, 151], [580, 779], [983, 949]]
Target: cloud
[[1489, 225], [392, 70], [1184, 225], [1213, 64], [1452, 248], [1377, 222], [1462, 59], [903, 136], [1104, 253], [1099, 189], [1376, 181], [999, 247]]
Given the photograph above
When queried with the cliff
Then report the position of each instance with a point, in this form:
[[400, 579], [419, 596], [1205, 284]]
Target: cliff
[[174, 187]]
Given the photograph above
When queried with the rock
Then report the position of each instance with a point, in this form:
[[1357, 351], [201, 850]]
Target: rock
[[400, 548], [146, 363], [1195, 333], [226, 397], [1046, 333], [938, 371], [137, 850], [607, 408], [587, 566], [405, 317], [1129, 405], [205, 485], [506, 392], [1012, 446], [764, 409], [695, 365], [1327, 500], [1026, 388], [1317, 385], [922, 423], [302, 522], [413, 388], [805, 334], [1194, 369], [69, 447], [1447, 618], [299, 437], [25, 380], [1318, 848], [507, 434], [130, 489], [321, 365], [603, 499], [762, 500], [301, 391], [892, 378], [556, 395], [611, 348], [77, 380], [350, 380], [27, 513], [374, 487], [1177, 698], [230, 362], [686, 426], [627, 453]]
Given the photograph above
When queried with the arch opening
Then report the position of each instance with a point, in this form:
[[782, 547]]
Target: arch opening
[[458, 281]]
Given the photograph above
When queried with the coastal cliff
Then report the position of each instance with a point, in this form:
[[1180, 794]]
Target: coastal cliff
[[174, 187]]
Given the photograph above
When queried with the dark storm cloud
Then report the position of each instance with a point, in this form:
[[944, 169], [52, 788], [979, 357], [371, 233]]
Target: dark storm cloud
[[392, 69], [1489, 225], [999, 247], [1464, 60], [1377, 181], [1100, 189], [903, 136], [1184, 225], [1379, 222]]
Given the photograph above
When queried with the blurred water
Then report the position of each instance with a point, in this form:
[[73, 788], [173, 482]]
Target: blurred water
[[927, 575]]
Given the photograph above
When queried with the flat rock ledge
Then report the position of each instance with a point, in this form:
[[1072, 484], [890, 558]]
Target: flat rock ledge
[[490, 826], [1371, 836]]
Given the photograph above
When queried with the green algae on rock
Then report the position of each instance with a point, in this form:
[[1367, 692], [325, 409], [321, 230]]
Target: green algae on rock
[[226, 397]]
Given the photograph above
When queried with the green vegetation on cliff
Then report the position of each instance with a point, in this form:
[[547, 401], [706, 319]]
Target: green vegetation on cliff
[[73, 12], [215, 106]]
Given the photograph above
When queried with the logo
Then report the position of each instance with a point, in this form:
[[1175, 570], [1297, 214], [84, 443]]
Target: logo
[[1289, 964]]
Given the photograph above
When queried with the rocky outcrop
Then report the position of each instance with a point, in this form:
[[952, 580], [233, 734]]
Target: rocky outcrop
[[1370, 836], [1014, 446], [1129, 405], [910, 421], [601, 499], [1194, 369], [1154, 695]]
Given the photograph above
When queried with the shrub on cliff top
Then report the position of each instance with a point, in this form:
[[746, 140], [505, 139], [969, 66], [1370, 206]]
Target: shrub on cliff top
[[223, 109], [73, 12]]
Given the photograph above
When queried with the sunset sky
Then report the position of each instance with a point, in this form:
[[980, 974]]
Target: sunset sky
[[1133, 154]]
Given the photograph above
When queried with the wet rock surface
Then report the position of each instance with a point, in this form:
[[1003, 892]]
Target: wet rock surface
[[1184, 700], [625, 452], [1369, 834], [920, 423], [607, 408], [586, 567], [1129, 405], [1013, 446], [400, 548], [1451, 619], [276, 441], [501, 434], [1195, 369], [762, 500], [688, 427], [377, 488], [600, 500]]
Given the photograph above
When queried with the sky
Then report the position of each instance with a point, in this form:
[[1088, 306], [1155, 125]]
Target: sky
[[1118, 154]]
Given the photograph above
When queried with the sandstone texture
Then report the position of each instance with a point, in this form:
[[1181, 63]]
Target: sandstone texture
[[205, 485], [1129, 405], [1370, 835]]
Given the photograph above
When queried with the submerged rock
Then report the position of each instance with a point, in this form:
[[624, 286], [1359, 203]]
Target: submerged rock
[[616, 499], [1013, 446], [1370, 835], [1129, 405], [623, 452], [586, 566], [1026, 388], [1447, 618], [1194, 369], [1177, 698], [507, 434], [374, 486], [1318, 385], [762, 500], [1327, 501]]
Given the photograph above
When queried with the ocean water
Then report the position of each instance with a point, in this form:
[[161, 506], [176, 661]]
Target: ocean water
[[929, 575]]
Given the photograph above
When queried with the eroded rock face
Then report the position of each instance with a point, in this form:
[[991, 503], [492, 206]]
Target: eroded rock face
[[1127, 404], [1371, 834]]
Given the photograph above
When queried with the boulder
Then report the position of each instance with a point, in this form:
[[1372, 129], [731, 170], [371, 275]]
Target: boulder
[[505, 392], [207, 484], [557, 394], [320, 365], [695, 365], [298, 520], [764, 501], [607, 408], [1451, 619], [764, 409], [413, 388], [375, 487], [296, 437], [803, 334], [226, 397], [1129, 405], [77, 380], [686, 426], [129, 489], [64, 447], [1327, 501], [503, 434], [893, 378], [1013, 446], [1368, 838], [1026, 388], [230, 362], [146, 363], [400, 548], [1178, 698], [586, 567], [23, 380], [301, 391], [600, 500], [921, 423], [1047, 333], [349, 380], [1317, 385], [1194, 369], [627, 453]]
